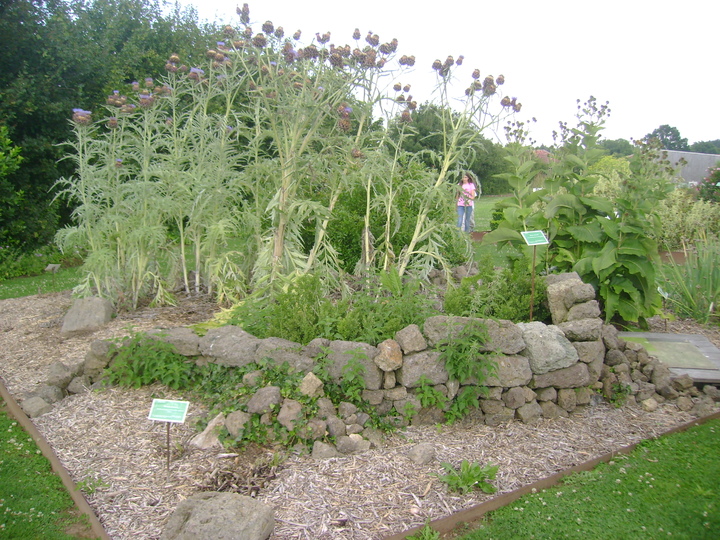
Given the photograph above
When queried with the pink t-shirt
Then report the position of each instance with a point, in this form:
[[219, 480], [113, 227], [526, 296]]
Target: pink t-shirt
[[469, 193]]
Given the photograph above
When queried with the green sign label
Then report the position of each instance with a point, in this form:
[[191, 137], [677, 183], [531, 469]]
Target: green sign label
[[167, 410], [535, 238]]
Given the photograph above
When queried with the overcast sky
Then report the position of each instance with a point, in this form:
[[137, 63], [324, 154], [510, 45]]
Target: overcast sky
[[656, 62]]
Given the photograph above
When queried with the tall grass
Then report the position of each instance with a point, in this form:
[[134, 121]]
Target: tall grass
[[693, 288]]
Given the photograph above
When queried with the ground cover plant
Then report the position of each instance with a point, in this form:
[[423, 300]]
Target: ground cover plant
[[666, 488], [33, 500]]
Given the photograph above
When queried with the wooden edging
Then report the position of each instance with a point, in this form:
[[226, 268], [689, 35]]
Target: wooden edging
[[448, 523], [77, 497]]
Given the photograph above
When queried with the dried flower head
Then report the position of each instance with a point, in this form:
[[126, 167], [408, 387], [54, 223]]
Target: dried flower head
[[476, 74], [279, 32], [437, 65], [146, 100], [268, 27], [244, 14], [336, 60], [149, 82], [81, 117], [324, 38], [248, 32], [500, 80], [344, 124], [135, 86], [118, 163], [449, 61], [127, 108], [174, 58], [229, 30], [297, 35], [406, 117], [259, 40], [112, 122], [505, 102], [372, 39], [406, 88], [459, 60], [397, 87], [356, 34], [410, 60], [356, 153]]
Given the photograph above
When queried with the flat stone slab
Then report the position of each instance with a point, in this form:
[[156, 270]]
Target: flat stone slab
[[690, 354]]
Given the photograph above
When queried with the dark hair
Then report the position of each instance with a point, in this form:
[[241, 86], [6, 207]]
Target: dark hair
[[470, 175]]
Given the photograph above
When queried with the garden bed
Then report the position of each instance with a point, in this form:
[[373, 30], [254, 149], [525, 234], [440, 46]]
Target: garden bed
[[118, 456]]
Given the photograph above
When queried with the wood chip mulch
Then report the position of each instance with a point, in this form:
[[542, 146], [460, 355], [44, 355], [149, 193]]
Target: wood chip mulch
[[119, 457]]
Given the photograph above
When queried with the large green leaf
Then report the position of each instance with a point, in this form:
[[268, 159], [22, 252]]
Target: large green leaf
[[610, 227], [564, 203], [599, 204], [590, 233], [605, 259], [502, 234]]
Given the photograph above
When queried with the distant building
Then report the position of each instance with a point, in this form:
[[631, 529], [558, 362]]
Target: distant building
[[696, 168]]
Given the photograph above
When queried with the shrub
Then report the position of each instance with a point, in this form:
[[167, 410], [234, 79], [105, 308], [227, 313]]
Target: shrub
[[685, 218]]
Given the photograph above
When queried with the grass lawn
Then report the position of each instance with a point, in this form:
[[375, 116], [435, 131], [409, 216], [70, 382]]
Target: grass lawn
[[33, 501], [65, 279], [666, 488]]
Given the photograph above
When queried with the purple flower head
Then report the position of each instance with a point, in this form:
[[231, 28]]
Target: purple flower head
[[348, 109], [116, 92], [197, 70], [273, 63], [220, 43], [229, 129]]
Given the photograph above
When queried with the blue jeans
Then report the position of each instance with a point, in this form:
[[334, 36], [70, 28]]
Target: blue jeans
[[464, 221]]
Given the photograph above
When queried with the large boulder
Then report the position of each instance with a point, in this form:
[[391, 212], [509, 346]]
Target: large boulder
[[220, 516], [229, 346], [87, 315], [344, 352], [547, 348]]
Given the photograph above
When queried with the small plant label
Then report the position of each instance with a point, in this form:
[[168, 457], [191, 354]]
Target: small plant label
[[535, 238], [167, 410]]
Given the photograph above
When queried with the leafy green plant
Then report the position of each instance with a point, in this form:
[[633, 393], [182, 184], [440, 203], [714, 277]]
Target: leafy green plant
[[428, 395], [462, 352], [620, 393], [141, 360], [709, 189], [469, 477], [426, 533], [464, 402], [352, 382], [693, 287]]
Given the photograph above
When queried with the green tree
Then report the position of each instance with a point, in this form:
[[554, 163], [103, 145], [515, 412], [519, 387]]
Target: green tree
[[706, 147], [669, 138], [59, 55], [616, 147]]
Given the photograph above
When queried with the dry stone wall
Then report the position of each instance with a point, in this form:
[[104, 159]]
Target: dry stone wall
[[543, 371]]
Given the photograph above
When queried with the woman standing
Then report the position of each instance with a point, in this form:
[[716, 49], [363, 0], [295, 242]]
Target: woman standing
[[465, 203]]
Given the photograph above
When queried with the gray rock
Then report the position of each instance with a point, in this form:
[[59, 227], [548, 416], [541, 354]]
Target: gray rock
[[546, 394], [389, 356], [87, 315], [661, 376], [373, 397], [411, 339], [421, 454], [583, 395], [514, 398], [408, 406], [530, 413], [567, 399], [512, 370], [209, 437], [290, 414], [58, 374], [51, 394], [492, 406], [586, 310], [645, 391], [185, 340], [610, 336], [281, 351], [649, 405], [503, 336], [551, 410], [683, 382], [316, 347], [582, 330], [220, 516], [229, 346], [346, 409], [389, 379], [315, 429], [570, 377], [396, 394], [342, 352], [323, 450], [79, 385], [264, 400], [615, 357], [311, 386], [352, 444], [547, 349], [558, 293], [428, 416], [712, 391], [417, 365], [235, 422], [684, 403], [503, 417], [350, 429], [35, 406], [253, 378], [335, 427], [590, 351]]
